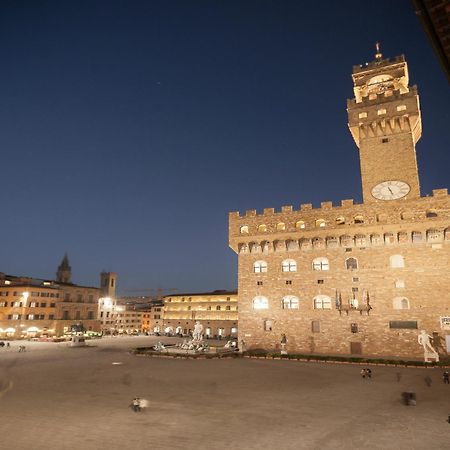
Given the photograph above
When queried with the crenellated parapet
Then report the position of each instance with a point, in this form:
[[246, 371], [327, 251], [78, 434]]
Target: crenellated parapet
[[330, 224], [434, 236], [385, 113]]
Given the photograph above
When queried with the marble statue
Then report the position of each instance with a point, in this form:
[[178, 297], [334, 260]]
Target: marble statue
[[198, 330], [424, 340]]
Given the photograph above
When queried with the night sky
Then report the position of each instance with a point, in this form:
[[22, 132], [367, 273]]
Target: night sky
[[129, 129]]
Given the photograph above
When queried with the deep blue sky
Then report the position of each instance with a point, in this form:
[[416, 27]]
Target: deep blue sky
[[129, 129]]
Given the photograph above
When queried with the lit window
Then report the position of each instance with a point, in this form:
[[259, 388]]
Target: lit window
[[262, 228], [321, 264], [290, 302], [244, 229], [340, 221], [359, 219], [400, 284], [300, 225], [362, 115], [397, 261], [289, 265], [320, 223], [351, 263], [401, 107], [260, 302], [322, 302], [400, 303], [260, 267], [281, 226], [381, 112]]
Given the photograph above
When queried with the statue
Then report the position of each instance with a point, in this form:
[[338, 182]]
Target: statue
[[197, 333], [283, 344], [428, 351]]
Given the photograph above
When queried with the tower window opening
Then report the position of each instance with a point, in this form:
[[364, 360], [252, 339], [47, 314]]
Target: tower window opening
[[385, 140]]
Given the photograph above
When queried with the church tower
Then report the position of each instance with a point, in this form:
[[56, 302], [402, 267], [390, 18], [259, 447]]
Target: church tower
[[108, 284], [64, 273], [384, 120]]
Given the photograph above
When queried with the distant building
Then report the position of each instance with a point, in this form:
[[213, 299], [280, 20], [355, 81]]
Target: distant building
[[31, 307], [360, 279], [107, 303], [217, 311]]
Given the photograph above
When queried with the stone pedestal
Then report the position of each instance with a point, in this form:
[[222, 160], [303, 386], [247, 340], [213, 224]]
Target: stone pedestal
[[429, 355], [283, 349]]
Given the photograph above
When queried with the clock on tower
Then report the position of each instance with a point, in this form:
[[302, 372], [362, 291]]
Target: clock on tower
[[384, 120]]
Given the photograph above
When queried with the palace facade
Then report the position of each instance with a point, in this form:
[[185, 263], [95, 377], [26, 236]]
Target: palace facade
[[217, 311], [359, 279], [31, 307]]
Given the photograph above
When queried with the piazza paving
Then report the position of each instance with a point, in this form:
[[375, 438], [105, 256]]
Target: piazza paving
[[58, 398]]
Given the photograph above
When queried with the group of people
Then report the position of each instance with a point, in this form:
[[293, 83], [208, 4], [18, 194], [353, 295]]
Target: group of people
[[2, 344], [138, 404], [366, 373]]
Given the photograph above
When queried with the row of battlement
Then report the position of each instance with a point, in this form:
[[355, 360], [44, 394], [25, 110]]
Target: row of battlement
[[380, 97], [381, 63], [324, 206]]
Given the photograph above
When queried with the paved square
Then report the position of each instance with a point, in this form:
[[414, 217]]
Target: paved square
[[59, 398]]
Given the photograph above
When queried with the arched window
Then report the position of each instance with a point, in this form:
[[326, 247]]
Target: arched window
[[359, 219], [281, 226], [260, 302], [322, 302], [260, 267], [262, 228], [290, 302], [340, 221], [300, 225], [218, 308], [400, 303], [320, 223], [289, 265], [397, 261], [321, 264], [431, 213], [244, 229], [351, 263]]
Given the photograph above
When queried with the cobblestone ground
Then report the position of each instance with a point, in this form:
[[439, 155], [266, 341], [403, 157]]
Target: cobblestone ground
[[57, 398]]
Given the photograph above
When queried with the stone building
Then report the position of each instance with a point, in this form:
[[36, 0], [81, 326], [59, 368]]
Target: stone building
[[217, 311], [107, 303], [31, 307], [360, 279]]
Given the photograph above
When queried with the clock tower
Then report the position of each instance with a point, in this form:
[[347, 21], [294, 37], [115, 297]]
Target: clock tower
[[384, 120]]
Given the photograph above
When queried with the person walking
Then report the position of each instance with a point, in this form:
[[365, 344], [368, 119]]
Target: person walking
[[363, 373], [136, 405], [428, 380], [446, 377]]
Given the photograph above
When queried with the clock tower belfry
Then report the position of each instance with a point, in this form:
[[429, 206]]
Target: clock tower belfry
[[384, 120]]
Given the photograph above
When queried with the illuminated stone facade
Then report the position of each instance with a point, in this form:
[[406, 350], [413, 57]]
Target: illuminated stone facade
[[352, 278], [37, 308], [217, 311]]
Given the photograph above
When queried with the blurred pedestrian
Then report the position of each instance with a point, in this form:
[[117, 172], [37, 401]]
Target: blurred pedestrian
[[428, 381], [446, 377], [136, 404]]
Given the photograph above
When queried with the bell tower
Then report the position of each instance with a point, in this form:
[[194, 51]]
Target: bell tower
[[385, 123], [64, 272]]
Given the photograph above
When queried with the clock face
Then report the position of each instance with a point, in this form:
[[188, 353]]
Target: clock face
[[390, 190]]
